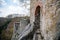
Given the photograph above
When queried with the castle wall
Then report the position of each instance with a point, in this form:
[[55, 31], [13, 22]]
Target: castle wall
[[49, 18], [33, 5]]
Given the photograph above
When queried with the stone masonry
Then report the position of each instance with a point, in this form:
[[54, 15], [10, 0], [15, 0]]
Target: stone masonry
[[49, 18]]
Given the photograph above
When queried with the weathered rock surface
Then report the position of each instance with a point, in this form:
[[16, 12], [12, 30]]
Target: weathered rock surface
[[49, 17]]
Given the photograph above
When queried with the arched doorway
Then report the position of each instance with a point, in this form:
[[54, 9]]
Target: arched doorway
[[37, 17], [37, 23]]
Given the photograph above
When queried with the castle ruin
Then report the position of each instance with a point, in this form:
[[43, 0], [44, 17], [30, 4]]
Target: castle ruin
[[44, 21]]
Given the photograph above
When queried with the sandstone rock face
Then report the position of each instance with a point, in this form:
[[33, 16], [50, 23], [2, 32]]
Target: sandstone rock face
[[49, 18]]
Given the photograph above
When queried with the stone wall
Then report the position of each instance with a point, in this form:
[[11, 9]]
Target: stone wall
[[49, 18]]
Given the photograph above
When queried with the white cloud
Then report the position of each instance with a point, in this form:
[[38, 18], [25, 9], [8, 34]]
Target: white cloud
[[2, 2], [17, 9], [16, 2], [13, 10]]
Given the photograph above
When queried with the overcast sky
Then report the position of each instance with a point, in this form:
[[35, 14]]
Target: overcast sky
[[13, 7]]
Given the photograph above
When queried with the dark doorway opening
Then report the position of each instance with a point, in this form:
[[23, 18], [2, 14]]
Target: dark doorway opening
[[37, 22], [37, 17]]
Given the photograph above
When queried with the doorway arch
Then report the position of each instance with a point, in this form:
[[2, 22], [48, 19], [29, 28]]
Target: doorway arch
[[37, 22], [37, 17]]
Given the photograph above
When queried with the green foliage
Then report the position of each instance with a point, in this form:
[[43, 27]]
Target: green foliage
[[3, 27]]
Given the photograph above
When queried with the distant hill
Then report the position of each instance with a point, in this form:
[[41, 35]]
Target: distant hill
[[15, 15], [7, 24], [3, 24], [3, 20]]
